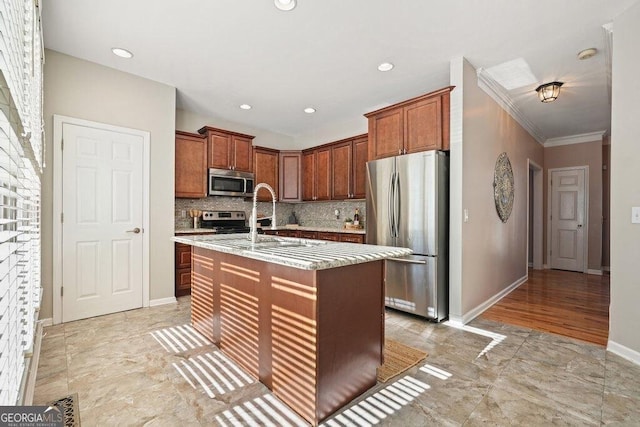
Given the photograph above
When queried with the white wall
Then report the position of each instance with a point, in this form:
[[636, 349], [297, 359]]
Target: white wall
[[493, 254], [78, 88], [334, 132], [624, 337], [190, 122]]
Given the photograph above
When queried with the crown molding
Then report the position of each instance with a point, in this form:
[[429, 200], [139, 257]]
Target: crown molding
[[575, 139], [500, 95]]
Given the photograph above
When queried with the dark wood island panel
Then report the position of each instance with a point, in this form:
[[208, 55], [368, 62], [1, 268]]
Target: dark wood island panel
[[314, 337]]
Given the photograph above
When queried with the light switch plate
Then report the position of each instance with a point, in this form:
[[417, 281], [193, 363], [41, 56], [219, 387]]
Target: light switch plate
[[635, 215]]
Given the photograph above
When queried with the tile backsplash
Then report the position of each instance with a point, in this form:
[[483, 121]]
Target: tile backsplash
[[309, 214]]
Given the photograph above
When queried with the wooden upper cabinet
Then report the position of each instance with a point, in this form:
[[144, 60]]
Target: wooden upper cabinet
[[342, 170], [242, 151], [418, 124], [228, 150], [360, 155], [308, 175], [316, 174], [191, 165], [265, 164], [387, 130], [290, 172], [423, 126]]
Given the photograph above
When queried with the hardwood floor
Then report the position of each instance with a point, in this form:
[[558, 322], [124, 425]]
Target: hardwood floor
[[572, 304]]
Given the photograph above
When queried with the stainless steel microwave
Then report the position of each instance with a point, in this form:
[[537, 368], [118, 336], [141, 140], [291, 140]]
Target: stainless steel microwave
[[223, 182]]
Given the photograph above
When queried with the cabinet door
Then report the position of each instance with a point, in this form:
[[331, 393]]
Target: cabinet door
[[308, 175], [219, 150], [360, 153], [241, 151], [386, 134], [308, 234], [191, 165], [352, 238], [341, 170], [423, 125], [323, 174], [183, 255], [183, 282], [334, 237], [265, 164], [290, 176]]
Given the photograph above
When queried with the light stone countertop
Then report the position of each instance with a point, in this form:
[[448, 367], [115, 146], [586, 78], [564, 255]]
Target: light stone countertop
[[304, 254], [194, 231]]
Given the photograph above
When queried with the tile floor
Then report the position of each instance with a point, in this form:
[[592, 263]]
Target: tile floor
[[148, 367]]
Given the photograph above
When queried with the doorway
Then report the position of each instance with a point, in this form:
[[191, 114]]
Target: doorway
[[101, 191], [568, 218]]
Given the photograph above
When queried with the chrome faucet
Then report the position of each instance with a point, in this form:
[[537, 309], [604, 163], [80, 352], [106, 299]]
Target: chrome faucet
[[254, 211]]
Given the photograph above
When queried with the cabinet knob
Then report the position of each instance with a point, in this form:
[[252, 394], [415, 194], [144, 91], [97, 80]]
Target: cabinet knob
[[400, 151]]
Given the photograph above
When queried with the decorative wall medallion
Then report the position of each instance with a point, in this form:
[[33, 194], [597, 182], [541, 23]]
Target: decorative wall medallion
[[503, 187]]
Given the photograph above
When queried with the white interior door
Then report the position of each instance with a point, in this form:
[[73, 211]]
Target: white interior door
[[568, 219], [102, 206]]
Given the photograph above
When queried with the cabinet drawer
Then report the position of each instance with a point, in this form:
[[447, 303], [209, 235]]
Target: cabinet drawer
[[334, 237], [352, 238], [308, 234], [183, 255]]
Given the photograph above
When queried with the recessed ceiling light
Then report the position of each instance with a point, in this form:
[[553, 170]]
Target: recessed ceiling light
[[385, 66], [122, 53], [587, 53], [285, 5], [309, 110], [245, 107]]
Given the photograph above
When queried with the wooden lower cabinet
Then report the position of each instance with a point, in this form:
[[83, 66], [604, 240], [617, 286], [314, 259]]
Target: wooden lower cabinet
[[183, 269], [295, 330], [319, 235]]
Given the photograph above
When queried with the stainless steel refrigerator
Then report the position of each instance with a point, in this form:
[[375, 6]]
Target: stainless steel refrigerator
[[408, 206]]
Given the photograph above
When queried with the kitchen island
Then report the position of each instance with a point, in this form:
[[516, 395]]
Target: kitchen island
[[305, 317]]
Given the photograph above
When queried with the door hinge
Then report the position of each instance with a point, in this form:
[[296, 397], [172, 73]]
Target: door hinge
[[62, 217], [61, 291], [62, 144]]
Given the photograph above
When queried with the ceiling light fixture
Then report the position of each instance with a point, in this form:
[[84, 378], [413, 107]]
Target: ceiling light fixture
[[245, 107], [385, 66], [309, 110], [549, 92], [285, 5], [122, 53], [587, 53]]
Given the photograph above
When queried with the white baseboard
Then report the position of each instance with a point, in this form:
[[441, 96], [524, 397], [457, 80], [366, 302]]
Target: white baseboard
[[594, 272], [625, 352], [545, 266], [530, 265], [162, 301], [478, 310], [46, 322]]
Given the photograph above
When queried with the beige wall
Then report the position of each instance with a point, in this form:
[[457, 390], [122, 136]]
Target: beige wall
[[85, 90], [585, 154], [190, 122], [606, 203], [625, 185], [494, 254]]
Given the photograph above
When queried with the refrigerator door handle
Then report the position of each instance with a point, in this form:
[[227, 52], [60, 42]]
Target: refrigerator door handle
[[396, 205], [390, 205], [408, 261]]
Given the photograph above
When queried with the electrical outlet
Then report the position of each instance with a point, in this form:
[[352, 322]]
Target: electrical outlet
[[466, 215], [635, 215]]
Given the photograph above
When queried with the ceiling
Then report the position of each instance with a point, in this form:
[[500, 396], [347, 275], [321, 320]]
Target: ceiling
[[324, 54]]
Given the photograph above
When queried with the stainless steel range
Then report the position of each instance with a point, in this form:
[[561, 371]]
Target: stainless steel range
[[225, 222]]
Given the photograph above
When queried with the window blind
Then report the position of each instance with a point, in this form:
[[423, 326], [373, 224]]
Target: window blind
[[21, 160]]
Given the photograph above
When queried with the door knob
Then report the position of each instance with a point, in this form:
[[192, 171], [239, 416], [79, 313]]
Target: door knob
[[135, 230], [579, 225]]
